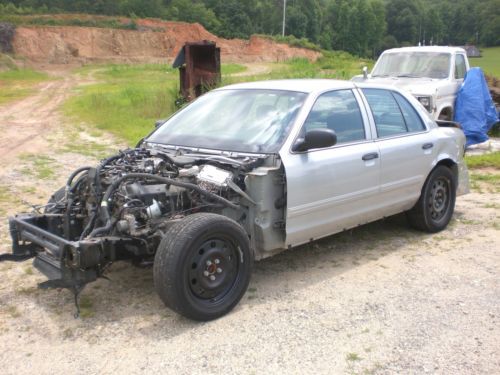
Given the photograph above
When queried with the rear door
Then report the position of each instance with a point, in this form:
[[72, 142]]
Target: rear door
[[332, 189], [406, 148]]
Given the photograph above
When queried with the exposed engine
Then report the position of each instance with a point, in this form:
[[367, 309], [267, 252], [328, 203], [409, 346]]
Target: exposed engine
[[139, 192]]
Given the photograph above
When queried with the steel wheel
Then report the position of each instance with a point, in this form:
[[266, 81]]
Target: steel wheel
[[439, 198], [203, 266], [214, 269], [436, 204]]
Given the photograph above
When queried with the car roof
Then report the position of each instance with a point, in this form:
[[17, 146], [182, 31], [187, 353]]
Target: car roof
[[307, 85], [437, 49], [299, 85]]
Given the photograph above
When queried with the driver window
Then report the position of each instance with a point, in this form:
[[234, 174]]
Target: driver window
[[460, 67], [338, 111]]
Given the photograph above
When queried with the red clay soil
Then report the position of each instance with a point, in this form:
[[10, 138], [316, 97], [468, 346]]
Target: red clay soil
[[154, 41]]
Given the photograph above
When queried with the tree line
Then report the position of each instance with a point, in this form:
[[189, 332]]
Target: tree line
[[361, 27]]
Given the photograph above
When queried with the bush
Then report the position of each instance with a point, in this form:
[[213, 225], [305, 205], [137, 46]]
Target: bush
[[7, 31]]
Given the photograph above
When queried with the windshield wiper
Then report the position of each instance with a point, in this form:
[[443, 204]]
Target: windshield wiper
[[409, 75]]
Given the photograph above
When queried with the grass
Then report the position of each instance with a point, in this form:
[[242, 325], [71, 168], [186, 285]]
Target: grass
[[42, 167], [353, 357], [16, 83], [481, 181], [86, 306], [491, 160], [128, 101], [489, 61], [7, 199], [232, 68], [71, 20]]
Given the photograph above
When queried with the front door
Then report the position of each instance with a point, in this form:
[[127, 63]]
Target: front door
[[335, 188]]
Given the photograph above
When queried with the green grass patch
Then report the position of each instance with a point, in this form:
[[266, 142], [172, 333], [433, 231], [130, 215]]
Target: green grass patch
[[18, 83], [485, 181], [491, 160], [72, 20], [41, 166], [353, 357], [292, 41], [489, 61], [128, 101], [232, 68]]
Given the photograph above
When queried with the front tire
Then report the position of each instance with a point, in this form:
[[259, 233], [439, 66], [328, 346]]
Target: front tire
[[436, 204], [203, 266]]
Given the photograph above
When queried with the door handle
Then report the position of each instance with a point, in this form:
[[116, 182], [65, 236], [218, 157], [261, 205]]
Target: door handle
[[427, 146], [370, 156]]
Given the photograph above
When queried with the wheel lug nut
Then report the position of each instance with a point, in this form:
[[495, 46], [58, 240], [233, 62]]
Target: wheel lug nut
[[209, 263], [216, 261], [205, 273], [212, 277], [219, 270]]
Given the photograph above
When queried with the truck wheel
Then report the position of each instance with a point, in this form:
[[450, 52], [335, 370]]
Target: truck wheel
[[436, 204], [202, 266]]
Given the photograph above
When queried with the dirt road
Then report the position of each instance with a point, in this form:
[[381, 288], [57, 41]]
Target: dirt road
[[379, 299]]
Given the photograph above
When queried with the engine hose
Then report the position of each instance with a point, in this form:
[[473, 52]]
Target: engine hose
[[74, 174], [105, 213]]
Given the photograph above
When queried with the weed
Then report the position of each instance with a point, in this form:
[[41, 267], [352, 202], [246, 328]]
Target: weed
[[13, 311], [353, 357], [492, 205], [28, 270], [86, 305]]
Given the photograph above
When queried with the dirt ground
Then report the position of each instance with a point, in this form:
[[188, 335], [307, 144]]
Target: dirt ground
[[379, 299]]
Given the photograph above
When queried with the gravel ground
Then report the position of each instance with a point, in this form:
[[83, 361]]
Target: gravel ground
[[379, 299]]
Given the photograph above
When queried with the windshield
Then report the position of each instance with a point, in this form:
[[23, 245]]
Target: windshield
[[233, 120], [413, 65]]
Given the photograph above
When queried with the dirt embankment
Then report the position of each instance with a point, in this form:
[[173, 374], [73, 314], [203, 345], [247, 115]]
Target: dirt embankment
[[154, 40]]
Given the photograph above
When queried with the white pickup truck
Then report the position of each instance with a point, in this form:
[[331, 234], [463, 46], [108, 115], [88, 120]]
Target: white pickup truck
[[432, 74]]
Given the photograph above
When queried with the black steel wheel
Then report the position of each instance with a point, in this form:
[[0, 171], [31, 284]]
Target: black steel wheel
[[436, 204], [203, 266]]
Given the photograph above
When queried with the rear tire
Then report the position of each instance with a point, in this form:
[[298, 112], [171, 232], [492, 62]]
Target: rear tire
[[436, 204], [203, 266]]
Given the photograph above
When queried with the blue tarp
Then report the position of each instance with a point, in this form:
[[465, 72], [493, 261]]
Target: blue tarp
[[474, 108]]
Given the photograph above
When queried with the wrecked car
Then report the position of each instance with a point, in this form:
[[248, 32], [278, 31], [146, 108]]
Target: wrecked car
[[245, 172]]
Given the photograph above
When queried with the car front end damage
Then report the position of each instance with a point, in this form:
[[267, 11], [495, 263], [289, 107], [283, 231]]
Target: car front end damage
[[121, 210]]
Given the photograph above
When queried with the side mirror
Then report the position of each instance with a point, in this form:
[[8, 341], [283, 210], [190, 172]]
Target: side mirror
[[315, 138], [365, 72]]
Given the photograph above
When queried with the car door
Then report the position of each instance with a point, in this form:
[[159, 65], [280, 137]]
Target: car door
[[406, 148], [332, 189]]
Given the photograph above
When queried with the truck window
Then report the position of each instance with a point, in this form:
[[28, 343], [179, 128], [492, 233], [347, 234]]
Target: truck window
[[338, 111], [460, 67]]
